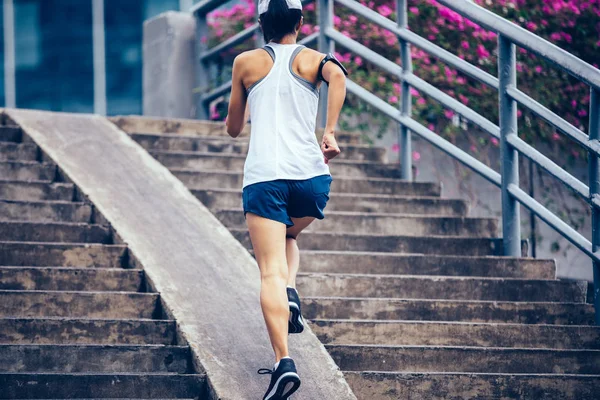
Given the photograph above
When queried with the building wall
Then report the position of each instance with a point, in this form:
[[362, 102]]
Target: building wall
[[54, 53]]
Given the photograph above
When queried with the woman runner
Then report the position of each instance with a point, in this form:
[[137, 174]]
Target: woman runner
[[286, 176]]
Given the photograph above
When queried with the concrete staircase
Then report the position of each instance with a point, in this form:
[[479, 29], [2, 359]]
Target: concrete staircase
[[78, 317], [408, 294]]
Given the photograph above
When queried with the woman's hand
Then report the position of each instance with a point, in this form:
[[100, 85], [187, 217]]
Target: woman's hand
[[329, 146]]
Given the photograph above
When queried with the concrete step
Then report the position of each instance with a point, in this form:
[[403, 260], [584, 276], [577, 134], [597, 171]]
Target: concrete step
[[94, 358], [18, 151], [36, 190], [419, 264], [465, 359], [447, 310], [137, 125], [234, 162], [27, 170], [416, 333], [217, 179], [20, 303], [339, 241], [357, 202], [109, 385], [87, 331], [441, 287], [63, 254], [394, 386], [383, 224], [71, 279], [45, 211], [54, 232], [10, 134], [175, 142], [218, 144]]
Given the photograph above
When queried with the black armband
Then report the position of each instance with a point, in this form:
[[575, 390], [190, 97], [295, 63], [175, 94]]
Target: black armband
[[330, 57]]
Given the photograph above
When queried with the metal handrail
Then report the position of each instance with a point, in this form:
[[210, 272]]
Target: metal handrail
[[510, 97], [527, 40]]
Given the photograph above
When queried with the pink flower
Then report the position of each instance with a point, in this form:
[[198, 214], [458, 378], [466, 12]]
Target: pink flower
[[463, 99], [358, 61], [555, 137], [482, 51], [555, 36], [573, 103], [449, 114], [465, 45], [421, 101], [473, 148], [582, 113], [397, 87], [306, 29], [495, 141], [385, 10], [381, 79], [519, 113], [393, 99], [416, 156], [395, 147], [461, 80], [531, 26], [431, 127], [414, 92], [538, 69], [568, 38], [353, 19], [414, 10], [310, 7], [337, 20]]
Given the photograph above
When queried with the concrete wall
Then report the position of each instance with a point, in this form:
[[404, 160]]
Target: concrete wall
[[169, 60]]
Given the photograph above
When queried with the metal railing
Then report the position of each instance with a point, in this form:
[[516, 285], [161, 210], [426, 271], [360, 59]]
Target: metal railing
[[510, 97]]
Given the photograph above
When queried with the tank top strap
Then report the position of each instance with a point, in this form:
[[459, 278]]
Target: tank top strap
[[282, 54]]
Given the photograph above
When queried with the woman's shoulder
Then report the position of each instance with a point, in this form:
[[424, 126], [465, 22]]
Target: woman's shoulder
[[250, 56]]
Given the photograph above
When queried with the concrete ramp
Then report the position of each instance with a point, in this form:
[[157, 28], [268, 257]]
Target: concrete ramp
[[207, 279]]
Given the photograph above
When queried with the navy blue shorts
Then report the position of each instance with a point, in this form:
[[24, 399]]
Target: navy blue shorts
[[283, 199]]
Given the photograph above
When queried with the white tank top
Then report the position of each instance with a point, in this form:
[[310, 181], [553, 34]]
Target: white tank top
[[283, 113]]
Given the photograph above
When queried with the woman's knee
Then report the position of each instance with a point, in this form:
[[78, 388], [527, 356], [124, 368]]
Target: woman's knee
[[271, 271]]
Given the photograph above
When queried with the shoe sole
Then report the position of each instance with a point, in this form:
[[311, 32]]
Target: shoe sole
[[282, 389], [296, 325]]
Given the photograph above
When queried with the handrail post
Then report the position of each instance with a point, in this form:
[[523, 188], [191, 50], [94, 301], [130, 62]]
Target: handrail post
[[326, 45], [404, 136], [202, 78], [511, 221], [259, 40], [594, 171]]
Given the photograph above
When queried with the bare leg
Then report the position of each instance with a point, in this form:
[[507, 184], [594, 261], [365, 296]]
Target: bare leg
[[291, 247], [268, 241]]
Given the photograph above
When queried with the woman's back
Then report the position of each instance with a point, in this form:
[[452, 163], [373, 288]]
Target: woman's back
[[283, 109]]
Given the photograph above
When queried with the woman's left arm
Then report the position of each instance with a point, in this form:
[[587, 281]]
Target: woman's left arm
[[236, 116]]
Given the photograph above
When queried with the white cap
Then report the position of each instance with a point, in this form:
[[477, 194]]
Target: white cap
[[263, 5]]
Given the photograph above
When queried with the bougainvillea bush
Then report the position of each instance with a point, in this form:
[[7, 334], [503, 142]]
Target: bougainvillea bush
[[571, 24]]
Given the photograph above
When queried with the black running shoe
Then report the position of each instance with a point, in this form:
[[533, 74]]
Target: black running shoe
[[284, 380], [296, 323]]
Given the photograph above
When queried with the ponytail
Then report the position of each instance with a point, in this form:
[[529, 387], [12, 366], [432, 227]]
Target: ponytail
[[279, 20]]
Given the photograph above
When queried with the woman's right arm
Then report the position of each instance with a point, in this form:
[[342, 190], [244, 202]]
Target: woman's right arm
[[336, 95]]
